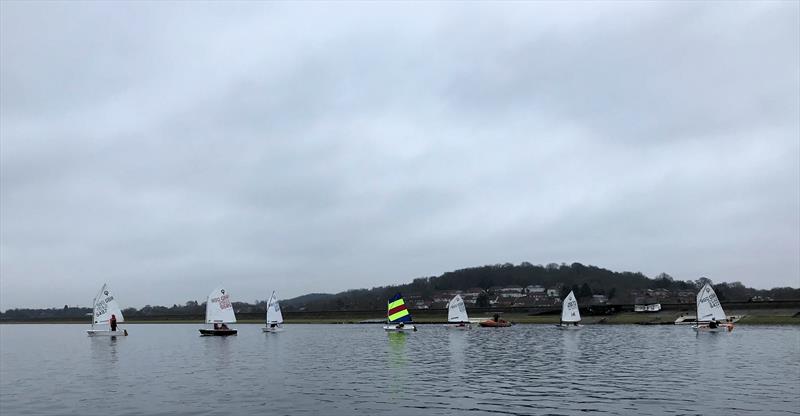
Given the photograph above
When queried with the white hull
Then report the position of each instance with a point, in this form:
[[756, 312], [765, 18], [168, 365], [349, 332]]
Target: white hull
[[459, 327], [569, 327], [690, 319], [106, 333], [721, 328], [276, 329], [395, 328]]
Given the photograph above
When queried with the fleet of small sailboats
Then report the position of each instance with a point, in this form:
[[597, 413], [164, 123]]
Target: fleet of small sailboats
[[570, 314], [274, 318], [219, 312], [106, 311], [398, 318], [710, 315], [457, 317]]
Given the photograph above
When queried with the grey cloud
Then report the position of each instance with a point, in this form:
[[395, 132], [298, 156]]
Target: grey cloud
[[319, 147]]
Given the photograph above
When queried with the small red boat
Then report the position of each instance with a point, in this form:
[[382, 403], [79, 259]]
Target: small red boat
[[491, 323]]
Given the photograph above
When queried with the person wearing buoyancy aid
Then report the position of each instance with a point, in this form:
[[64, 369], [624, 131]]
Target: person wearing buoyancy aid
[[113, 322]]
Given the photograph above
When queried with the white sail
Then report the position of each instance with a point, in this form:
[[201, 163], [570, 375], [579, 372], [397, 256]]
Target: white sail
[[569, 309], [708, 306], [274, 315], [219, 308], [106, 305], [456, 311]]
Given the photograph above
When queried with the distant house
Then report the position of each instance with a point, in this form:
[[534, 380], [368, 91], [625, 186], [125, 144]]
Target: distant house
[[510, 292], [537, 296], [474, 291], [535, 289], [553, 292], [599, 299]]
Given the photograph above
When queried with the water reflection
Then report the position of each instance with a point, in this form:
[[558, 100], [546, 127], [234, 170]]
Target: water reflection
[[457, 343], [344, 370], [218, 350], [104, 349], [398, 364], [397, 349]]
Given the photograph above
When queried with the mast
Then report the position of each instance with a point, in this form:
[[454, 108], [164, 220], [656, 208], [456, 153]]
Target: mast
[[697, 311], [94, 305]]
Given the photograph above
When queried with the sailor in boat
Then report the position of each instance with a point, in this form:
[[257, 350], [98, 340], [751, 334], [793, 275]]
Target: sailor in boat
[[713, 324], [113, 322], [402, 325]]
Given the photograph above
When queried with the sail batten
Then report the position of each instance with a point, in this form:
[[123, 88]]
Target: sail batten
[[219, 308], [456, 310], [274, 315], [569, 309]]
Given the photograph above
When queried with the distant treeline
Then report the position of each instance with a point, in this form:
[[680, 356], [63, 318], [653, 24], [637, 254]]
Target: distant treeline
[[585, 281]]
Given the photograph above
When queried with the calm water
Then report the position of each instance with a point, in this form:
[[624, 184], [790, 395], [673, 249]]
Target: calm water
[[359, 369]]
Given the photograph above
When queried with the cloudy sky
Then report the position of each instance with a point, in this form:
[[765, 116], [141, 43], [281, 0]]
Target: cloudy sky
[[166, 148]]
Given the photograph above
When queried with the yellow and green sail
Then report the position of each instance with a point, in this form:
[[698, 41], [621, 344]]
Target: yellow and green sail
[[397, 311]]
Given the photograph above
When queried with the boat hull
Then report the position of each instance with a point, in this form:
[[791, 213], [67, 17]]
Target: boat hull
[[460, 327], [493, 324], [395, 328], [690, 320], [218, 332], [272, 330], [721, 328], [569, 327], [106, 333]]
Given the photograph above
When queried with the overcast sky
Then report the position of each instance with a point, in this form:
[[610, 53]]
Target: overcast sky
[[166, 148]]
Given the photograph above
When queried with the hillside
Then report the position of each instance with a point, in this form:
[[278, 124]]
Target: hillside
[[493, 283], [501, 285]]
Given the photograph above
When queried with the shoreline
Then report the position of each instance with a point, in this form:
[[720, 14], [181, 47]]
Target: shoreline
[[750, 317]]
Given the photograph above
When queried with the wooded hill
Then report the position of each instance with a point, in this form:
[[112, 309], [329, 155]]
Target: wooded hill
[[584, 280]]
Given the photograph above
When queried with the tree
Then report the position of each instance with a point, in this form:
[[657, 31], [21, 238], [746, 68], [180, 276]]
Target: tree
[[664, 276], [702, 282], [482, 300], [585, 291], [564, 291]]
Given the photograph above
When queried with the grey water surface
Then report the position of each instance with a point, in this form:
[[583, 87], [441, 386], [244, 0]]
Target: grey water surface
[[360, 370]]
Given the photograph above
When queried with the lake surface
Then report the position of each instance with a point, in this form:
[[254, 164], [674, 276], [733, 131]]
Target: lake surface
[[359, 369]]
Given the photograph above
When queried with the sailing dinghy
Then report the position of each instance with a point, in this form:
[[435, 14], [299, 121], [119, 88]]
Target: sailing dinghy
[[104, 307], [570, 315], [710, 315], [219, 311], [398, 316], [457, 314], [274, 319]]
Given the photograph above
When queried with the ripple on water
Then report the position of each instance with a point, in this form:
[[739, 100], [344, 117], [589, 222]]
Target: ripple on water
[[359, 369]]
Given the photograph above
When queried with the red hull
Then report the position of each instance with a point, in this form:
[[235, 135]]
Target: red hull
[[492, 324]]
